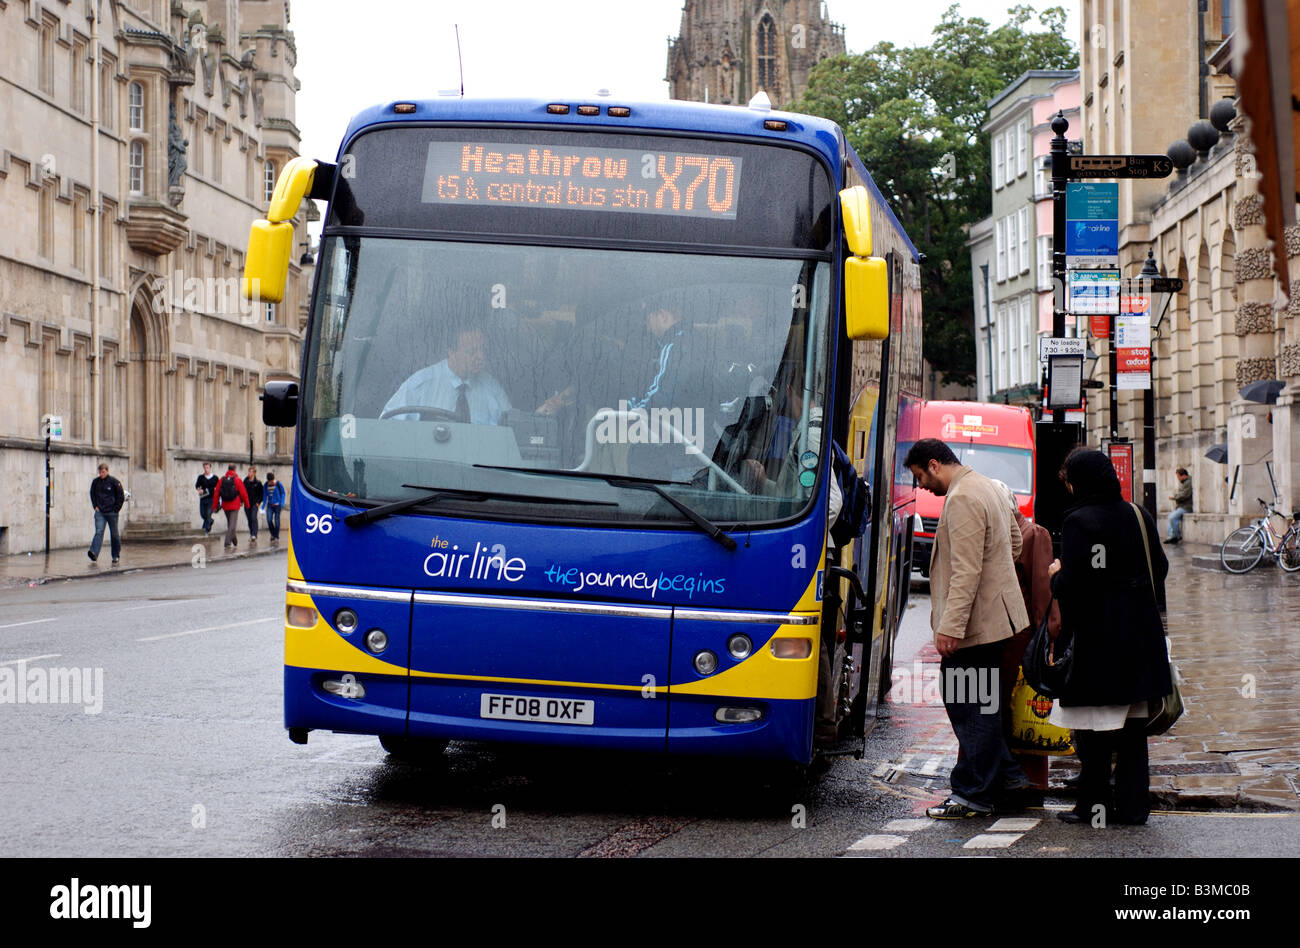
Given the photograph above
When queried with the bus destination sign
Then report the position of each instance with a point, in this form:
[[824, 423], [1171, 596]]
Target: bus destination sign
[[500, 174]]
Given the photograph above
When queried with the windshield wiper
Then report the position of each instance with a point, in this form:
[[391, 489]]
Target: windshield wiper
[[652, 484], [438, 493]]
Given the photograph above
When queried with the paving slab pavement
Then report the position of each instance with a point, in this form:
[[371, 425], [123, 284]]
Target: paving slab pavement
[[34, 569], [1233, 639]]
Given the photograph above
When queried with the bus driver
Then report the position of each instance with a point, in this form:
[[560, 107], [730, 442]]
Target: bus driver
[[457, 385]]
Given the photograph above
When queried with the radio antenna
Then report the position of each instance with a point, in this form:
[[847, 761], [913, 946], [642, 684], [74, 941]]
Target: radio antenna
[[460, 62]]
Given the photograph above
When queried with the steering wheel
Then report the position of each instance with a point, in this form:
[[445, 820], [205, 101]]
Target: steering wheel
[[426, 413]]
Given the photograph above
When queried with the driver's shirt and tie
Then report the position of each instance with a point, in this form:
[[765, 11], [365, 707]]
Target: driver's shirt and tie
[[480, 400]]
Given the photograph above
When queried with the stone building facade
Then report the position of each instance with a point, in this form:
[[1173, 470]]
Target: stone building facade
[[727, 50], [134, 153], [1144, 91]]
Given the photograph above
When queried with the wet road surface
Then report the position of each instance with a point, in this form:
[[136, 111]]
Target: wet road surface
[[187, 756]]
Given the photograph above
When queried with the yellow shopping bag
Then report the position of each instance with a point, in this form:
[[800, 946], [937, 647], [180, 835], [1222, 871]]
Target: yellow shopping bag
[[1030, 730]]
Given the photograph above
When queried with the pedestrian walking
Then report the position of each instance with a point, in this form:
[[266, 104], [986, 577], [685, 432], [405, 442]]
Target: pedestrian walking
[[1033, 574], [273, 501], [107, 497], [976, 608], [1110, 583], [232, 498], [253, 488], [205, 485], [1182, 498]]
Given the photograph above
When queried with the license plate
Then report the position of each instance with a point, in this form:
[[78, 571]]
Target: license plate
[[543, 710]]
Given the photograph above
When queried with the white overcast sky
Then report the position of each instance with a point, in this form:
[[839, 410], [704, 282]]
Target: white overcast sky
[[356, 53]]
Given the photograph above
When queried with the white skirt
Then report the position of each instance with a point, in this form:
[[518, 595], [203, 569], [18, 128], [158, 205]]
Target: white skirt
[[1106, 717]]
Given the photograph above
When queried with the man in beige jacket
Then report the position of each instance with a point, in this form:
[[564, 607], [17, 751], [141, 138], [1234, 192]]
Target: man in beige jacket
[[975, 608]]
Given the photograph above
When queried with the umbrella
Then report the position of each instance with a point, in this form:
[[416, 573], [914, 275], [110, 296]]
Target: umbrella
[[1218, 454], [1264, 392]]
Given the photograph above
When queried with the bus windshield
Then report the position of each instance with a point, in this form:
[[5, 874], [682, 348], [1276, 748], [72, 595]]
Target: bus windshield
[[1012, 466], [433, 363]]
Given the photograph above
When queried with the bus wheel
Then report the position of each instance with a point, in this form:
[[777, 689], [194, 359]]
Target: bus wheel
[[415, 750]]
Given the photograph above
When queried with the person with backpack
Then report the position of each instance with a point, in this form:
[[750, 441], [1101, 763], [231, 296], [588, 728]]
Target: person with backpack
[[272, 502], [253, 488], [233, 497]]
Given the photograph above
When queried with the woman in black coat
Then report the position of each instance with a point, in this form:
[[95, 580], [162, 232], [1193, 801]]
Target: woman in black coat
[[1111, 610]]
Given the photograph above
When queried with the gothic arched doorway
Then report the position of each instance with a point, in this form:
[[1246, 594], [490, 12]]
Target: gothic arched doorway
[[137, 387], [143, 410]]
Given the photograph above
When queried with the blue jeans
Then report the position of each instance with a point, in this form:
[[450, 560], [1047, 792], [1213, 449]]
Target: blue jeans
[[251, 514], [972, 698], [1176, 523], [115, 540], [273, 520], [205, 512]]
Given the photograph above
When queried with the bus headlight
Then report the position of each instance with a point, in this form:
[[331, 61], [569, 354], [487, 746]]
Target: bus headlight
[[739, 646], [376, 640], [706, 663], [345, 620]]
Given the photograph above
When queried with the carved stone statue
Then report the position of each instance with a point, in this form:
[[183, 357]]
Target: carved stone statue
[[176, 145]]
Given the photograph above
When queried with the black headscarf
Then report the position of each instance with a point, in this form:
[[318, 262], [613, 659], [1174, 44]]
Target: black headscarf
[[1093, 478]]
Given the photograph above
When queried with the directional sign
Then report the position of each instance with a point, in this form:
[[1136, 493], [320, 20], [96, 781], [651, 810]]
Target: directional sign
[[1153, 285], [1120, 166]]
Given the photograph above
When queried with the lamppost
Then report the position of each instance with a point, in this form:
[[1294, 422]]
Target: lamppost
[[1161, 291]]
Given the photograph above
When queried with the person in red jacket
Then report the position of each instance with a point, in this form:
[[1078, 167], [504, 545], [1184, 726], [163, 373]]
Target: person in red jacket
[[233, 498]]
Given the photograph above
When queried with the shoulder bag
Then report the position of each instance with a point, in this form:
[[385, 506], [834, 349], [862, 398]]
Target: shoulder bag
[[1162, 712], [1047, 676]]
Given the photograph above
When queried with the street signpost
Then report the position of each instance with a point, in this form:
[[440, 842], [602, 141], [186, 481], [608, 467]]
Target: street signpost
[[52, 429], [1085, 239]]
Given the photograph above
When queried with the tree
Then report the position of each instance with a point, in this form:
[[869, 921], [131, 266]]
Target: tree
[[905, 110]]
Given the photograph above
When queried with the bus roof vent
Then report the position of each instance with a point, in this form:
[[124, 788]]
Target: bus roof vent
[[760, 102]]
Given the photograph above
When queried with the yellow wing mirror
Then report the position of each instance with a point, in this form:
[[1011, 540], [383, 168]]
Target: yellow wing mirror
[[866, 278], [270, 241]]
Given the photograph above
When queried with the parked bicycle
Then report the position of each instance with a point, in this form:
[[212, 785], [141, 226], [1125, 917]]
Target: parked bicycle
[[1244, 547]]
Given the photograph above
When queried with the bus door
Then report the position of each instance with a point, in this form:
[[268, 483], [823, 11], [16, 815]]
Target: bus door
[[487, 667]]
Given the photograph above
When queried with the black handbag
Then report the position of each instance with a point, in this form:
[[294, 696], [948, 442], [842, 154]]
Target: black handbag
[[1049, 677]]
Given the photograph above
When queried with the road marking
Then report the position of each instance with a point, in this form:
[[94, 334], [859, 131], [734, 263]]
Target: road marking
[[155, 605], [211, 628], [991, 840], [876, 843], [1014, 824], [19, 661], [14, 625], [907, 826]]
